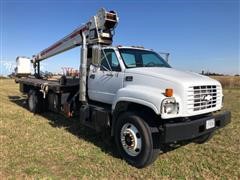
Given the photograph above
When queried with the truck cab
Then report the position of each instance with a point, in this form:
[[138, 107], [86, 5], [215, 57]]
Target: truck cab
[[142, 76]]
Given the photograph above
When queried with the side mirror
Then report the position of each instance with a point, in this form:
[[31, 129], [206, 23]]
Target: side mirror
[[96, 55], [165, 56]]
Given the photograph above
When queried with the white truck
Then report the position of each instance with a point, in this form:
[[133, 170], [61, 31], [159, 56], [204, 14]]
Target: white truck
[[131, 91]]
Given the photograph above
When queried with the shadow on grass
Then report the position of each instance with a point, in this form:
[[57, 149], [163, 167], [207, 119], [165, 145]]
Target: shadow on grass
[[73, 126]]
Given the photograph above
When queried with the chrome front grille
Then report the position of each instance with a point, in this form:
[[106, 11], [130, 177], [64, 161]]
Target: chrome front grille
[[203, 97]]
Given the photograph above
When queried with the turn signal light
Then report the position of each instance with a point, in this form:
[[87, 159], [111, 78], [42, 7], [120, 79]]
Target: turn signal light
[[169, 92]]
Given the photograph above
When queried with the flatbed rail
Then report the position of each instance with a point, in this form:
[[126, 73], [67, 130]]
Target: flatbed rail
[[54, 85]]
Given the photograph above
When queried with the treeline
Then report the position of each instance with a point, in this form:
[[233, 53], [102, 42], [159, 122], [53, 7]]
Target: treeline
[[215, 74]]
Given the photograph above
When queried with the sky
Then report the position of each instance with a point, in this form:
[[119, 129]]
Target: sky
[[198, 34]]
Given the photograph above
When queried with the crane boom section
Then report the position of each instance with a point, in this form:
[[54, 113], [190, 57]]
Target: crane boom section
[[99, 30]]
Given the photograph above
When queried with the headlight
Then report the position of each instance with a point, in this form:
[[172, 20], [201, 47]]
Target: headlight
[[170, 106]]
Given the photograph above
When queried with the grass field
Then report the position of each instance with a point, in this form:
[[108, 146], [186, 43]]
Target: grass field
[[50, 146], [228, 81]]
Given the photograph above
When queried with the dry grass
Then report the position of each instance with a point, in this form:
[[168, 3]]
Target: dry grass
[[50, 146], [228, 81]]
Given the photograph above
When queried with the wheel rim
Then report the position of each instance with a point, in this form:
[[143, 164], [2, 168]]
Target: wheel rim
[[131, 139]]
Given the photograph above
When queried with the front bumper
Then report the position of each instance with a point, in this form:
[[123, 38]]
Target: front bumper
[[180, 131]]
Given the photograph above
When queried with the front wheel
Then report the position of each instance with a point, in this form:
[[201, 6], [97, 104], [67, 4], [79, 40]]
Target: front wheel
[[134, 140]]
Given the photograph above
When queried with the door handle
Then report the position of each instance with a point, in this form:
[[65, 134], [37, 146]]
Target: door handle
[[92, 76], [109, 74]]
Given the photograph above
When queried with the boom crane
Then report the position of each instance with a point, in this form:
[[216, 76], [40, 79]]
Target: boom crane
[[99, 30]]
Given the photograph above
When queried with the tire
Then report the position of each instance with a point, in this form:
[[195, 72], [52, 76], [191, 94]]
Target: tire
[[35, 102], [136, 149], [203, 139]]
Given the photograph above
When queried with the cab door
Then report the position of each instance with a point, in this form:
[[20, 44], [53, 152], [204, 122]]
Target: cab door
[[105, 80]]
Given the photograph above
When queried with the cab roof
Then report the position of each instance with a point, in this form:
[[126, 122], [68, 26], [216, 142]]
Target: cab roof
[[128, 47]]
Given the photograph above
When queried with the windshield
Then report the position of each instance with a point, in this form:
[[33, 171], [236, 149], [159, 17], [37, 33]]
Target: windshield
[[141, 58]]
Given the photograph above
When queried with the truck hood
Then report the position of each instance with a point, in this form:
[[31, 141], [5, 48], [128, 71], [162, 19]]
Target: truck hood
[[149, 84], [173, 75]]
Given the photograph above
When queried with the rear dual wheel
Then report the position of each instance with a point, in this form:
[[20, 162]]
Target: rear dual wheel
[[134, 140], [35, 101]]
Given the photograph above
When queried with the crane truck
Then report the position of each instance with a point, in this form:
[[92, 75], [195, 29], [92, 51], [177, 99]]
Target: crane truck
[[132, 92]]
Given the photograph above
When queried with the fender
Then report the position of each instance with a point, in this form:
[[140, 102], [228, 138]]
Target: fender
[[147, 96]]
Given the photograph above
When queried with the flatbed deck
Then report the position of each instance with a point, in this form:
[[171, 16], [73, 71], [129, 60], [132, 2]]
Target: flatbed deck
[[54, 85]]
